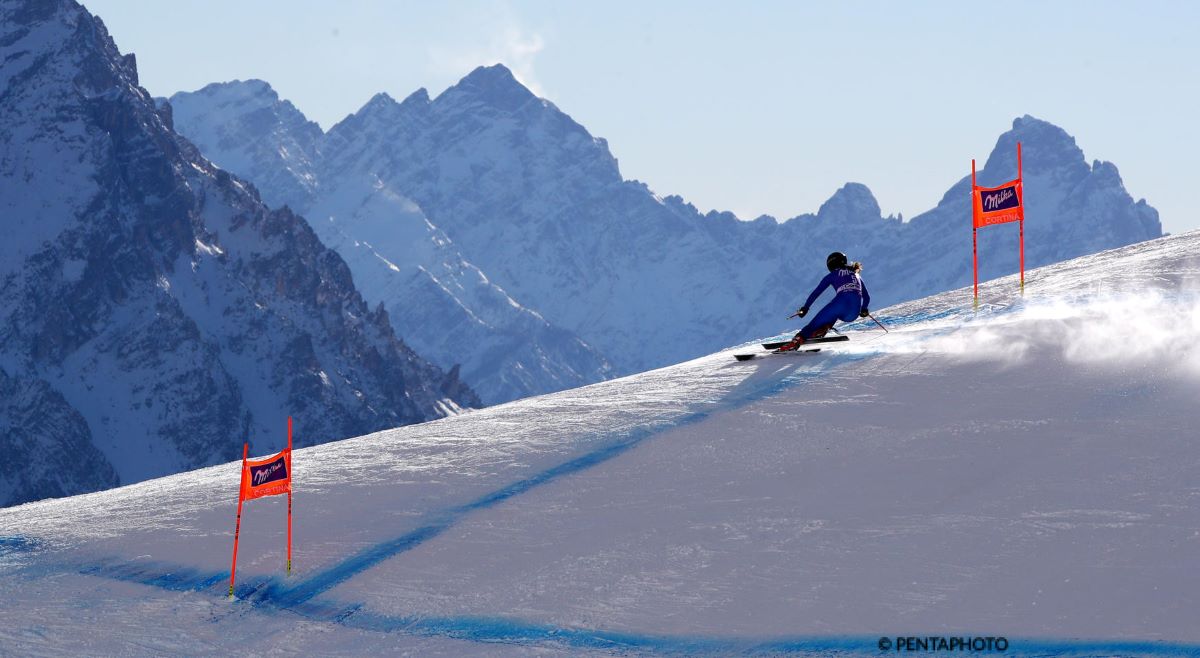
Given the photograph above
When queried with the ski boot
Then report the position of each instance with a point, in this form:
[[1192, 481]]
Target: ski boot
[[792, 344]]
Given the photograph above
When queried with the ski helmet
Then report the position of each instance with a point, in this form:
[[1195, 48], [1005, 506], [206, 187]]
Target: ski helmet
[[836, 261]]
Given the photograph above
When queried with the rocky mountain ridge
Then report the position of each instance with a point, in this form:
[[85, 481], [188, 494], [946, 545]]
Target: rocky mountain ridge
[[154, 313], [529, 197]]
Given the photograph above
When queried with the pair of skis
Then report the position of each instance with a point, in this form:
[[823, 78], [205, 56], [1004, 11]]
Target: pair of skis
[[774, 347]]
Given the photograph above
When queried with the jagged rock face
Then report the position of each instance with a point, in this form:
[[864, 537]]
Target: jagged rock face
[[154, 296], [47, 447], [532, 199], [437, 299], [282, 156]]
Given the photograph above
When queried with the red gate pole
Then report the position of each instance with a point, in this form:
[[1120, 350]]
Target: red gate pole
[[1021, 184], [974, 239], [237, 528], [975, 263], [1022, 222], [289, 470]]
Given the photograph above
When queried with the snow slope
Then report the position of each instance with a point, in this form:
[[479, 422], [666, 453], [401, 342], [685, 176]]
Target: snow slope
[[1028, 471]]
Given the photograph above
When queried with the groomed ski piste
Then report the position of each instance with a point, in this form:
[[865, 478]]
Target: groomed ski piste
[[1029, 470]]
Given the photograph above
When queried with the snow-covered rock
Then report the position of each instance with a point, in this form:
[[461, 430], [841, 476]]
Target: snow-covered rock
[[281, 160], [47, 447], [443, 305], [154, 313]]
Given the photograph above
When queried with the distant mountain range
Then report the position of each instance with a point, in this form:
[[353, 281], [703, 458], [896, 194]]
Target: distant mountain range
[[512, 191], [154, 313]]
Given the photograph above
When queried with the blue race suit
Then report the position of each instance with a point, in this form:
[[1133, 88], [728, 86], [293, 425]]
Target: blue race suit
[[851, 298]]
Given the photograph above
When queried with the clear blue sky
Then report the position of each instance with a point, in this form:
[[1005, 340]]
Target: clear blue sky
[[752, 107]]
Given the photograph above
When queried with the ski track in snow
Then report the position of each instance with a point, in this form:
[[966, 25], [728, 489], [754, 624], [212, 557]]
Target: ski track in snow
[[46, 547]]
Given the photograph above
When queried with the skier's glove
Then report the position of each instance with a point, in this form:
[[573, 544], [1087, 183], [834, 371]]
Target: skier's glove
[[802, 312], [864, 313]]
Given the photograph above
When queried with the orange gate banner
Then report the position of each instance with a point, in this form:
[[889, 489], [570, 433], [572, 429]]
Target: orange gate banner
[[268, 476], [998, 205]]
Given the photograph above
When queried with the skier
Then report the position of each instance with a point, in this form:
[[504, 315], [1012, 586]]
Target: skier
[[849, 303]]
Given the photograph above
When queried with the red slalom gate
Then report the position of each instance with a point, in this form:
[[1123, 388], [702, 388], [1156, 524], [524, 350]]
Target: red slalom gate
[[268, 476], [997, 205]]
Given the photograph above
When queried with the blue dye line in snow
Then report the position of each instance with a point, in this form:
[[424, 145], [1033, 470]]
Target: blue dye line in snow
[[518, 632], [10, 544], [440, 522], [171, 577], [509, 631], [494, 630]]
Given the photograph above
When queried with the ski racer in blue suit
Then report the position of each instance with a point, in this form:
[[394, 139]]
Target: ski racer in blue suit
[[850, 302]]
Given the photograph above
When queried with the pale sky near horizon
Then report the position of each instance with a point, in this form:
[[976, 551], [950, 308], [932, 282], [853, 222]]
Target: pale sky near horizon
[[757, 108]]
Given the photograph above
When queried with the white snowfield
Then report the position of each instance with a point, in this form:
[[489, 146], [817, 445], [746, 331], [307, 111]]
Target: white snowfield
[[1030, 470]]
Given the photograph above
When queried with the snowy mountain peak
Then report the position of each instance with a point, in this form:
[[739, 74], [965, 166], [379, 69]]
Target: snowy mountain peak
[[381, 102], [217, 117], [852, 202], [246, 97], [253, 91], [1106, 174], [419, 98], [492, 85], [64, 29], [1046, 149]]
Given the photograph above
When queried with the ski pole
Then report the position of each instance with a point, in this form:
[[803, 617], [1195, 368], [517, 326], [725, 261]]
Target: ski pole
[[885, 329]]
